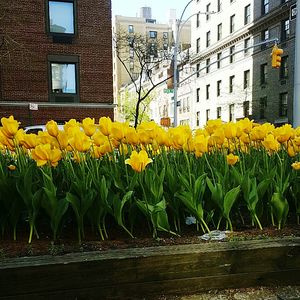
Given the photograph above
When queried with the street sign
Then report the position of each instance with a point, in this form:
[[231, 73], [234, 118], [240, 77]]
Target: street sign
[[33, 106], [293, 12], [168, 91]]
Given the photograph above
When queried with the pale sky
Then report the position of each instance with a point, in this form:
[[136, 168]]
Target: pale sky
[[160, 8]]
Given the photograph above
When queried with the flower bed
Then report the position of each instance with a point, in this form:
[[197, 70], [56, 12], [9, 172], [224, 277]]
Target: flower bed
[[149, 177]]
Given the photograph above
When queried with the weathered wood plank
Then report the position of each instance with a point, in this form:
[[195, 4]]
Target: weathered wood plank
[[170, 269]]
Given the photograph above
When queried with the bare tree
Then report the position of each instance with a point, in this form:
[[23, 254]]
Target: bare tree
[[140, 55]]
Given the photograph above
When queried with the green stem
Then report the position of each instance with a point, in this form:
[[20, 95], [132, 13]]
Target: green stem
[[30, 234], [258, 222]]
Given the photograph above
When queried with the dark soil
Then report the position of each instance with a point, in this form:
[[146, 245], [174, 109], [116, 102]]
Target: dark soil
[[120, 240]]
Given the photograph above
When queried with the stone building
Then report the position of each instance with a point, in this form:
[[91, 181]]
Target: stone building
[[55, 60]]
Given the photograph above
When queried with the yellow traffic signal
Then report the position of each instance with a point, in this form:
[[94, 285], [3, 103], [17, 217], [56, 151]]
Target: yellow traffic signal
[[276, 58]]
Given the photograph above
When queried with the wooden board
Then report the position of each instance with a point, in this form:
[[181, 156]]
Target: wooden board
[[137, 272]]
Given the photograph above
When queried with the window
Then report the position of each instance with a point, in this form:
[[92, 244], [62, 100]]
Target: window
[[63, 78], [219, 56], [219, 34], [285, 29], [262, 107], [198, 118], [231, 57], [246, 45], [232, 23], [219, 5], [198, 20], [153, 34], [246, 79], [263, 74], [219, 112], [198, 45], [152, 49], [207, 11], [284, 72], [246, 108], [283, 104], [207, 38], [208, 65], [207, 114], [198, 70], [265, 6], [231, 83], [130, 29], [61, 17], [165, 35], [247, 15], [264, 37], [131, 53], [231, 112], [219, 83], [207, 91], [198, 95]]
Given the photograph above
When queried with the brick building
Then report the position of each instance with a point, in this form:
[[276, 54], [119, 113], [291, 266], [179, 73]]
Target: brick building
[[58, 56]]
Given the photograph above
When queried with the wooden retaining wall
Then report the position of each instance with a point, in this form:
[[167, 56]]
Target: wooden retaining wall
[[136, 273]]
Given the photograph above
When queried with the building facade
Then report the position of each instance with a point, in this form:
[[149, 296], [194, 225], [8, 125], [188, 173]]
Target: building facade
[[55, 60], [235, 80]]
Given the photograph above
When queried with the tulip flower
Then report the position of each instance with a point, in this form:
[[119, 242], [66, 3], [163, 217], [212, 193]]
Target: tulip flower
[[138, 161], [296, 165], [52, 128], [89, 126], [232, 159], [43, 154], [9, 127], [105, 125]]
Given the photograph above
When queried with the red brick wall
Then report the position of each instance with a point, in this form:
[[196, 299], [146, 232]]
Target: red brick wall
[[24, 73]]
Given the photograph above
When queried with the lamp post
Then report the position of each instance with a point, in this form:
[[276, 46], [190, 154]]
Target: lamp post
[[177, 35]]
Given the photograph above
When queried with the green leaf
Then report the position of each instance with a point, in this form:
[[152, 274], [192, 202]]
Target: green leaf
[[230, 199]]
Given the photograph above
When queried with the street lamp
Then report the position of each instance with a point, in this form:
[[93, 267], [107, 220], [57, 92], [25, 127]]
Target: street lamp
[[177, 35]]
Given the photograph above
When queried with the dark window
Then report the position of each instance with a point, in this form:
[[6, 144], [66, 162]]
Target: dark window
[[246, 108], [283, 104], [219, 56], [246, 79], [219, 83], [207, 114], [265, 6], [232, 23], [198, 70], [263, 73], [207, 91], [219, 6], [61, 17], [231, 57], [207, 38], [264, 37], [198, 45], [219, 34], [165, 35], [198, 95], [231, 83], [153, 34], [246, 45], [247, 15], [284, 71], [285, 29], [207, 11], [63, 78], [198, 20], [130, 29], [231, 112], [219, 112], [152, 49], [198, 118], [208, 65], [262, 107]]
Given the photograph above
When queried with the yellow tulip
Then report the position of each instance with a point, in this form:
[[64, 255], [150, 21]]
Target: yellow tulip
[[291, 151], [232, 159], [105, 125], [99, 138], [138, 161], [71, 124], [284, 133], [89, 126], [9, 127], [80, 142], [12, 167], [270, 143], [43, 154], [132, 137], [201, 143], [212, 125], [296, 165], [52, 128], [63, 140], [118, 131], [245, 125], [30, 141], [230, 130]]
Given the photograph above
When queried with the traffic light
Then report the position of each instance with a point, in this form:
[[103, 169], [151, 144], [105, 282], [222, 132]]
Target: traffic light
[[276, 58]]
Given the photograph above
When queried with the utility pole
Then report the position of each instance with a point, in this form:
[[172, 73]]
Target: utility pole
[[296, 102]]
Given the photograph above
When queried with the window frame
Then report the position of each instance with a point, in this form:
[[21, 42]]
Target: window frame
[[61, 34], [246, 79], [284, 69], [263, 73], [283, 107], [262, 107], [219, 86], [219, 32], [232, 24], [247, 14], [60, 97]]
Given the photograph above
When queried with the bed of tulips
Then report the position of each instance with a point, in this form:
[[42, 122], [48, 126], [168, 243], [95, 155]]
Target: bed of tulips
[[89, 173]]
